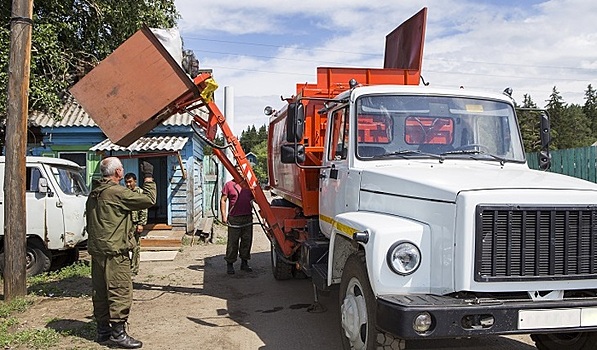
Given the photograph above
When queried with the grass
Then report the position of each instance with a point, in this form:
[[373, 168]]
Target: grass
[[64, 282], [12, 332], [16, 334]]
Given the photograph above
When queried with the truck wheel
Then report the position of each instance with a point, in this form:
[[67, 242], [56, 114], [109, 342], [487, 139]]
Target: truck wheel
[[280, 269], [357, 310], [568, 341], [37, 258]]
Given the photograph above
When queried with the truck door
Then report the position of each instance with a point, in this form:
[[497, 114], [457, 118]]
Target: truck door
[[332, 198]]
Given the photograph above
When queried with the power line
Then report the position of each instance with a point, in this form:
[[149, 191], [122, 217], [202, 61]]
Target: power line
[[277, 46], [381, 55]]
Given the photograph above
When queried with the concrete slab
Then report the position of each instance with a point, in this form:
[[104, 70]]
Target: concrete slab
[[168, 255]]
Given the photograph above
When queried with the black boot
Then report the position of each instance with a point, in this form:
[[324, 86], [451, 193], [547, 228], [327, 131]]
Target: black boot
[[230, 269], [122, 339], [244, 265], [104, 331]]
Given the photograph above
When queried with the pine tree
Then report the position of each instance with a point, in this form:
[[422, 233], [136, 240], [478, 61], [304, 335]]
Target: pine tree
[[590, 109], [529, 123], [555, 108]]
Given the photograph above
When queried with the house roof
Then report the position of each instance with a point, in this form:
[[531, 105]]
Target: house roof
[[73, 114], [155, 143]]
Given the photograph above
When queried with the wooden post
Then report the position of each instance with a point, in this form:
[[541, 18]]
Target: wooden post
[[15, 220]]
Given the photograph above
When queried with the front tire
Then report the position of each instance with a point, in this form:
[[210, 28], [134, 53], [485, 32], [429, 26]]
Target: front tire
[[568, 341], [357, 310], [37, 258]]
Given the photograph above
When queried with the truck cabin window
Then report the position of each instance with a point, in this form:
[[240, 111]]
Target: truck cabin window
[[412, 126]]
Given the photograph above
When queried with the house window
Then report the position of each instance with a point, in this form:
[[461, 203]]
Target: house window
[[77, 157]]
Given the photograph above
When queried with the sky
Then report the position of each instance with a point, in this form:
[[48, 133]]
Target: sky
[[262, 48]]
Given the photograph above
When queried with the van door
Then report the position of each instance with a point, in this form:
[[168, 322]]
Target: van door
[[44, 212], [46, 217], [68, 202]]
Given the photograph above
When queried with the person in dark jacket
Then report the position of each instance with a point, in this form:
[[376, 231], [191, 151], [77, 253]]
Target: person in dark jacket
[[109, 225]]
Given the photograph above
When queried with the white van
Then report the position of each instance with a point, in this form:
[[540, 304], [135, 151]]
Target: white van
[[55, 199]]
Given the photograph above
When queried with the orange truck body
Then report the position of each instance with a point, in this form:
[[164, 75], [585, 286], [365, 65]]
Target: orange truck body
[[300, 185]]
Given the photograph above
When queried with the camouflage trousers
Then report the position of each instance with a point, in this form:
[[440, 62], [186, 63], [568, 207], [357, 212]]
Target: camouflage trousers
[[112, 288], [136, 253]]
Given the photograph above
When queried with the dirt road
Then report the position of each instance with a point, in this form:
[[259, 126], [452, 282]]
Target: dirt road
[[191, 303]]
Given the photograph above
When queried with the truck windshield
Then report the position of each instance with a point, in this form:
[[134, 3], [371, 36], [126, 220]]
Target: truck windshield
[[70, 180], [410, 126]]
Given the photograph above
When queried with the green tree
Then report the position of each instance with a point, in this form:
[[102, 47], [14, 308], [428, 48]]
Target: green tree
[[575, 131], [71, 36], [555, 108], [256, 142], [530, 126], [249, 138], [260, 150], [590, 109]]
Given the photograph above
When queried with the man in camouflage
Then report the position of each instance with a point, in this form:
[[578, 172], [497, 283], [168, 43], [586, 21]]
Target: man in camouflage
[[139, 220], [109, 223]]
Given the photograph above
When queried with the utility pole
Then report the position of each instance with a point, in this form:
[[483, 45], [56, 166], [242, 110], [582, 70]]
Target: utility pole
[[15, 220]]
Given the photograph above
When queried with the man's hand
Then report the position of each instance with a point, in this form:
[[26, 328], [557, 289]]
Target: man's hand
[[146, 169], [139, 228]]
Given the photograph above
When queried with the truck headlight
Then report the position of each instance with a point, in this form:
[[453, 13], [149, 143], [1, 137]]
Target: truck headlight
[[404, 258]]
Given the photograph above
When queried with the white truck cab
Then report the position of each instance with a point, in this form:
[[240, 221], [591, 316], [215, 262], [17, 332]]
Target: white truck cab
[[55, 204], [438, 228]]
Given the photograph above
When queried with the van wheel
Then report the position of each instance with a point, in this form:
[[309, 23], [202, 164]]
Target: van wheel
[[37, 258], [280, 269], [568, 341], [357, 310]]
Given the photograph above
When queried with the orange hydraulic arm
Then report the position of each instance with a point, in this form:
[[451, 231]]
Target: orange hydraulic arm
[[216, 119]]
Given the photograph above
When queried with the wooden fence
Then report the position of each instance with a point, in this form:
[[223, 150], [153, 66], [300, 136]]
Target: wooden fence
[[577, 162]]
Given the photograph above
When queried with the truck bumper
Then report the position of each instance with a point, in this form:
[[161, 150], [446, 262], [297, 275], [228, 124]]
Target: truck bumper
[[453, 317]]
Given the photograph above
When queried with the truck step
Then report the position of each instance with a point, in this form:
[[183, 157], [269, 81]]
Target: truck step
[[319, 276]]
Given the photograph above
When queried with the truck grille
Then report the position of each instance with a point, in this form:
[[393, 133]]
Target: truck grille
[[517, 243]]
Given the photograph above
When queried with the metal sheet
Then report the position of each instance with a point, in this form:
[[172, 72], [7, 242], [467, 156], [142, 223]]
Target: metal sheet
[[404, 45], [134, 89]]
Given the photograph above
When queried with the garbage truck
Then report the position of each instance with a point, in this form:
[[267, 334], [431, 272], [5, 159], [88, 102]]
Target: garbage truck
[[416, 203]]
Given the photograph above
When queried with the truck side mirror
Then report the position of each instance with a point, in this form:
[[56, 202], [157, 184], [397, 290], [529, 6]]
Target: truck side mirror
[[295, 122], [292, 153], [42, 185], [544, 156]]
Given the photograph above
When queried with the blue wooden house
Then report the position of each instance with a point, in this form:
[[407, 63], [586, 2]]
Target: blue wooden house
[[174, 150]]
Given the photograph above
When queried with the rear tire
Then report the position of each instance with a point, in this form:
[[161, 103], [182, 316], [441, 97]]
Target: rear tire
[[568, 341], [358, 310], [280, 269]]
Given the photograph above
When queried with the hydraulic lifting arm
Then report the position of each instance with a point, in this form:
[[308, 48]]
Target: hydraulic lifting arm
[[206, 86]]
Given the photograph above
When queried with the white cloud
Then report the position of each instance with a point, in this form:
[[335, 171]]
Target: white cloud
[[482, 45]]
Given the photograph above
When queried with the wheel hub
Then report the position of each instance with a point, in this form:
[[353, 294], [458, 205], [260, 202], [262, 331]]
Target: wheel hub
[[354, 314]]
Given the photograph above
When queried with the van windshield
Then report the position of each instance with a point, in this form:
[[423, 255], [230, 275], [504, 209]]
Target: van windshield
[[403, 126], [70, 180]]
